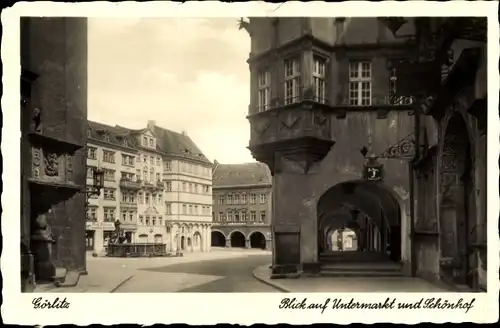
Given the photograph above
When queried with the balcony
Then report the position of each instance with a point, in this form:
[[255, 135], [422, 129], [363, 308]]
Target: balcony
[[129, 184], [152, 185]]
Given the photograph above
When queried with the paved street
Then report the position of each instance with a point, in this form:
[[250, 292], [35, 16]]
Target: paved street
[[221, 270], [216, 276]]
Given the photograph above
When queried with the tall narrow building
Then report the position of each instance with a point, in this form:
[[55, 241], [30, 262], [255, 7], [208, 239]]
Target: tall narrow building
[[53, 138]]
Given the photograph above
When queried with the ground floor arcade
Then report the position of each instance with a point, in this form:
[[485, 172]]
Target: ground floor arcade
[[242, 237]]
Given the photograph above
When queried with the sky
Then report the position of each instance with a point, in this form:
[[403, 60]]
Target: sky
[[186, 74]]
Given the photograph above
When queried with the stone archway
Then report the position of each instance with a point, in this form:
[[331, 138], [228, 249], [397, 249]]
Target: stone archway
[[367, 208], [197, 242], [457, 208], [257, 240], [218, 239], [237, 239]]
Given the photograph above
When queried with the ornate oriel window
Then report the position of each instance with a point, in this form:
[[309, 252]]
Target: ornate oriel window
[[292, 80], [360, 83]]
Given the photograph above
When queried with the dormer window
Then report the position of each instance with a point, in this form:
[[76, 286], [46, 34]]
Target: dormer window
[[151, 142], [105, 137], [145, 141], [89, 133], [292, 80]]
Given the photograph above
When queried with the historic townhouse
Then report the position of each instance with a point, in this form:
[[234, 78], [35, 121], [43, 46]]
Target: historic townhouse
[[377, 125], [141, 172], [242, 199]]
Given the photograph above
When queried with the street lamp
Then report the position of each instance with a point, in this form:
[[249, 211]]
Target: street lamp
[[97, 185]]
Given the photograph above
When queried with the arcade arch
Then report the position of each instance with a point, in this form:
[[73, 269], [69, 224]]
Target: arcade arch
[[257, 240], [218, 239], [237, 239], [366, 208]]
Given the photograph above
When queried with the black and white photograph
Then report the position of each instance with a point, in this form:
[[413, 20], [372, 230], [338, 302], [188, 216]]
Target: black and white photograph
[[344, 160]]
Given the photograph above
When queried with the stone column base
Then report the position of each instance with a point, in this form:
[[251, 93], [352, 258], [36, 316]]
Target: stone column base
[[280, 271]]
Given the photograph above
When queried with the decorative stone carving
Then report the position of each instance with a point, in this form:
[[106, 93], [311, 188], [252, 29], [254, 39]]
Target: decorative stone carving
[[51, 164], [69, 167], [260, 127], [447, 183], [35, 162], [320, 119], [36, 120], [289, 120], [42, 241]]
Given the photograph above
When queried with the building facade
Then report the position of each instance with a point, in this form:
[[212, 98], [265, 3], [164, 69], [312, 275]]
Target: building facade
[[242, 206], [53, 120], [144, 174], [332, 116]]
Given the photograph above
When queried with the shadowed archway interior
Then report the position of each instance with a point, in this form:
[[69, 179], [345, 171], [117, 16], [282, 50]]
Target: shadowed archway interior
[[237, 239], [366, 208], [218, 239], [257, 240]]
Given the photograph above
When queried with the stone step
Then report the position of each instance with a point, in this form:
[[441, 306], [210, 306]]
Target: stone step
[[361, 266], [328, 273]]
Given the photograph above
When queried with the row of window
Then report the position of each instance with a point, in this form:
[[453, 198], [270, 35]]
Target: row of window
[[148, 142], [360, 83], [191, 209], [239, 216], [108, 156], [237, 199], [130, 160], [190, 168], [150, 198], [190, 187], [109, 213]]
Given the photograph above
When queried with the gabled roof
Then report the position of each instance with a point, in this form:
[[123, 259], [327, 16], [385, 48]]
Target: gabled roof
[[116, 136], [241, 175], [170, 142], [167, 142]]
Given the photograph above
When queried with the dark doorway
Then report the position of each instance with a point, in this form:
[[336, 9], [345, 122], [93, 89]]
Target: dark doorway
[[183, 243], [218, 239], [237, 239], [257, 240]]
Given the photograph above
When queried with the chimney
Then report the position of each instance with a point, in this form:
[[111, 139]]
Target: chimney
[[184, 133], [151, 124]]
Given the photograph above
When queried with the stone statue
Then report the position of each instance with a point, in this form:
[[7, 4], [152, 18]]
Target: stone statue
[[42, 240], [37, 119], [42, 230]]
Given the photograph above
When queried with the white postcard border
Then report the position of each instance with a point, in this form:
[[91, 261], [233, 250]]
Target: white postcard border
[[236, 308]]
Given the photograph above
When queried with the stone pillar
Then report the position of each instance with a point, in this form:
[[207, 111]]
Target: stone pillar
[[99, 241], [247, 243], [228, 242]]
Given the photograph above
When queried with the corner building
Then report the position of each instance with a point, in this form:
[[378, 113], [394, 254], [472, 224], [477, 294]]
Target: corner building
[[242, 198], [332, 116], [157, 184]]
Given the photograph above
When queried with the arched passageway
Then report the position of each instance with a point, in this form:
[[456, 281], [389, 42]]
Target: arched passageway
[[457, 205], [183, 243], [257, 240], [237, 239], [369, 211], [218, 239]]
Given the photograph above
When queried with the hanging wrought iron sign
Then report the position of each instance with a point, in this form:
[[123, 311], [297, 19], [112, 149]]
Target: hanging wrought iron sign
[[373, 170]]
